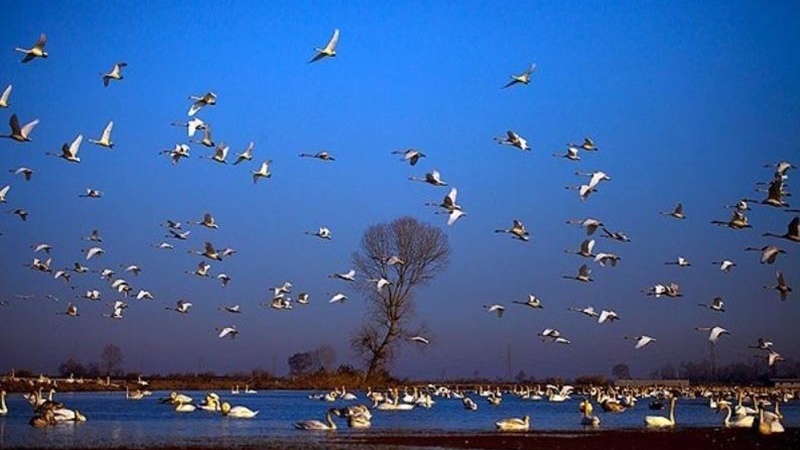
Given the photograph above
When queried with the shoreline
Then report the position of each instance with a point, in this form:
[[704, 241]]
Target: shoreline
[[626, 439]]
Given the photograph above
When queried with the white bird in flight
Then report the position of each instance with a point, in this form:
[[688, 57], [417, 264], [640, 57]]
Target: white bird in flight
[[337, 298], [523, 78], [105, 138], [4, 96], [433, 178], [495, 309], [329, 51], [517, 231], [246, 155], [181, 306], [191, 126], [607, 316], [24, 171], [533, 302], [348, 276], [716, 305], [410, 155], [198, 102], [114, 74], [262, 172], [322, 233], [321, 155], [37, 51], [641, 341], [584, 275], [514, 140], [208, 221], [69, 151], [715, 333], [676, 213], [94, 251], [20, 134], [230, 331], [3, 193], [725, 266], [419, 339]]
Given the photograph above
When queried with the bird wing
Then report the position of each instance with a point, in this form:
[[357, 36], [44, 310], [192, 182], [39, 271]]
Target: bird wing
[[40, 43], [794, 227], [106, 137], [14, 123], [334, 40], [6, 93], [74, 146]]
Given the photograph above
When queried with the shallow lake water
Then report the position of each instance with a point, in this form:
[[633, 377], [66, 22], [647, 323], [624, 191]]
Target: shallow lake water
[[114, 421]]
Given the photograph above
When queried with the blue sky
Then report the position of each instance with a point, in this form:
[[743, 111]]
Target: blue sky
[[686, 102]]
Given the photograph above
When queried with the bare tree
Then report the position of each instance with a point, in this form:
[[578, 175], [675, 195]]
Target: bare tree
[[408, 254], [111, 359]]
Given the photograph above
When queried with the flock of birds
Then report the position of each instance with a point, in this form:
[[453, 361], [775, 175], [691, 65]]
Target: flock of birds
[[177, 231], [744, 407]]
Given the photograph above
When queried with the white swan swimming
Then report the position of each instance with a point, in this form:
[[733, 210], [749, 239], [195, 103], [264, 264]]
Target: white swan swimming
[[514, 424], [328, 425], [739, 421], [660, 421], [185, 407], [238, 412], [68, 415]]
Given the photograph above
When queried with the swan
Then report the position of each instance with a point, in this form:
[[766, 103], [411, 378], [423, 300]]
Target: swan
[[262, 172], [220, 153], [26, 172], [20, 134], [322, 233], [587, 246], [775, 194], [792, 231], [773, 418], [68, 415], [180, 151], [641, 341], [202, 269], [198, 102], [433, 178], [514, 140], [185, 407], [37, 51], [449, 201], [739, 421], [715, 333], [590, 224], [3, 193], [115, 74], [738, 221], [347, 395], [329, 50], [514, 424], [4, 96], [584, 275], [607, 316], [228, 331], [523, 78], [680, 262], [135, 395], [617, 236], [726, 265], [3, 407], [769, 253], [453, 215], [246, 155], [571, 154], [781, 287], [588, 311], [588, 419], [211, 403], [358, 416], [587, 144], [348, 276], [410, 155], [716, 305], [238, 412], [322, 155], [660, 421], [517, 231], [247, 390], [533, 302], [496, 309], [191, 126], [69, 151], [328, 425], [469, 404], [676, 213]]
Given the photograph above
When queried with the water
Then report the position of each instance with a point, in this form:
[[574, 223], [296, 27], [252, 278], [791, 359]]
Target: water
[[115, 421]]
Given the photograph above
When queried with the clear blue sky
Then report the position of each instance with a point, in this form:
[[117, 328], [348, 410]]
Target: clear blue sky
[[686, 101]]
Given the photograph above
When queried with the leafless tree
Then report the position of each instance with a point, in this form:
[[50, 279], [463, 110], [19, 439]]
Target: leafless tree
[[420, 252], [111, 359]]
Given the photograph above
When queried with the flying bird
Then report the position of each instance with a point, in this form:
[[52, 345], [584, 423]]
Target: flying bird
[[680, 262], [21, 213], [607, 316], [202, 269], [348, 276], [533, 302], [94, 251], [230, 331], [584, 275], [587, 246], [715, 333], [419, 339], [262, 172], [105, 138], [571, 154], [321, 155], [523, 78], [208, 222], [781, 287], [322, 233], [220, 153], [641, 341], [4, 96], [769, 253], [181, 306], [514, 140], [37, 51], [495, 309], [20, 134], [517, 231], [792, 231], [725, 266], [329, 50], [433, 178], [246, 155], [587, 144], [91, 193], [114, 74], [738, 221], [337, 298], [615, 235], [3, 193], [191, 126], [69, 151], [410, 155], [676, 213], [716, 305], [198, 102], [24, 171]]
